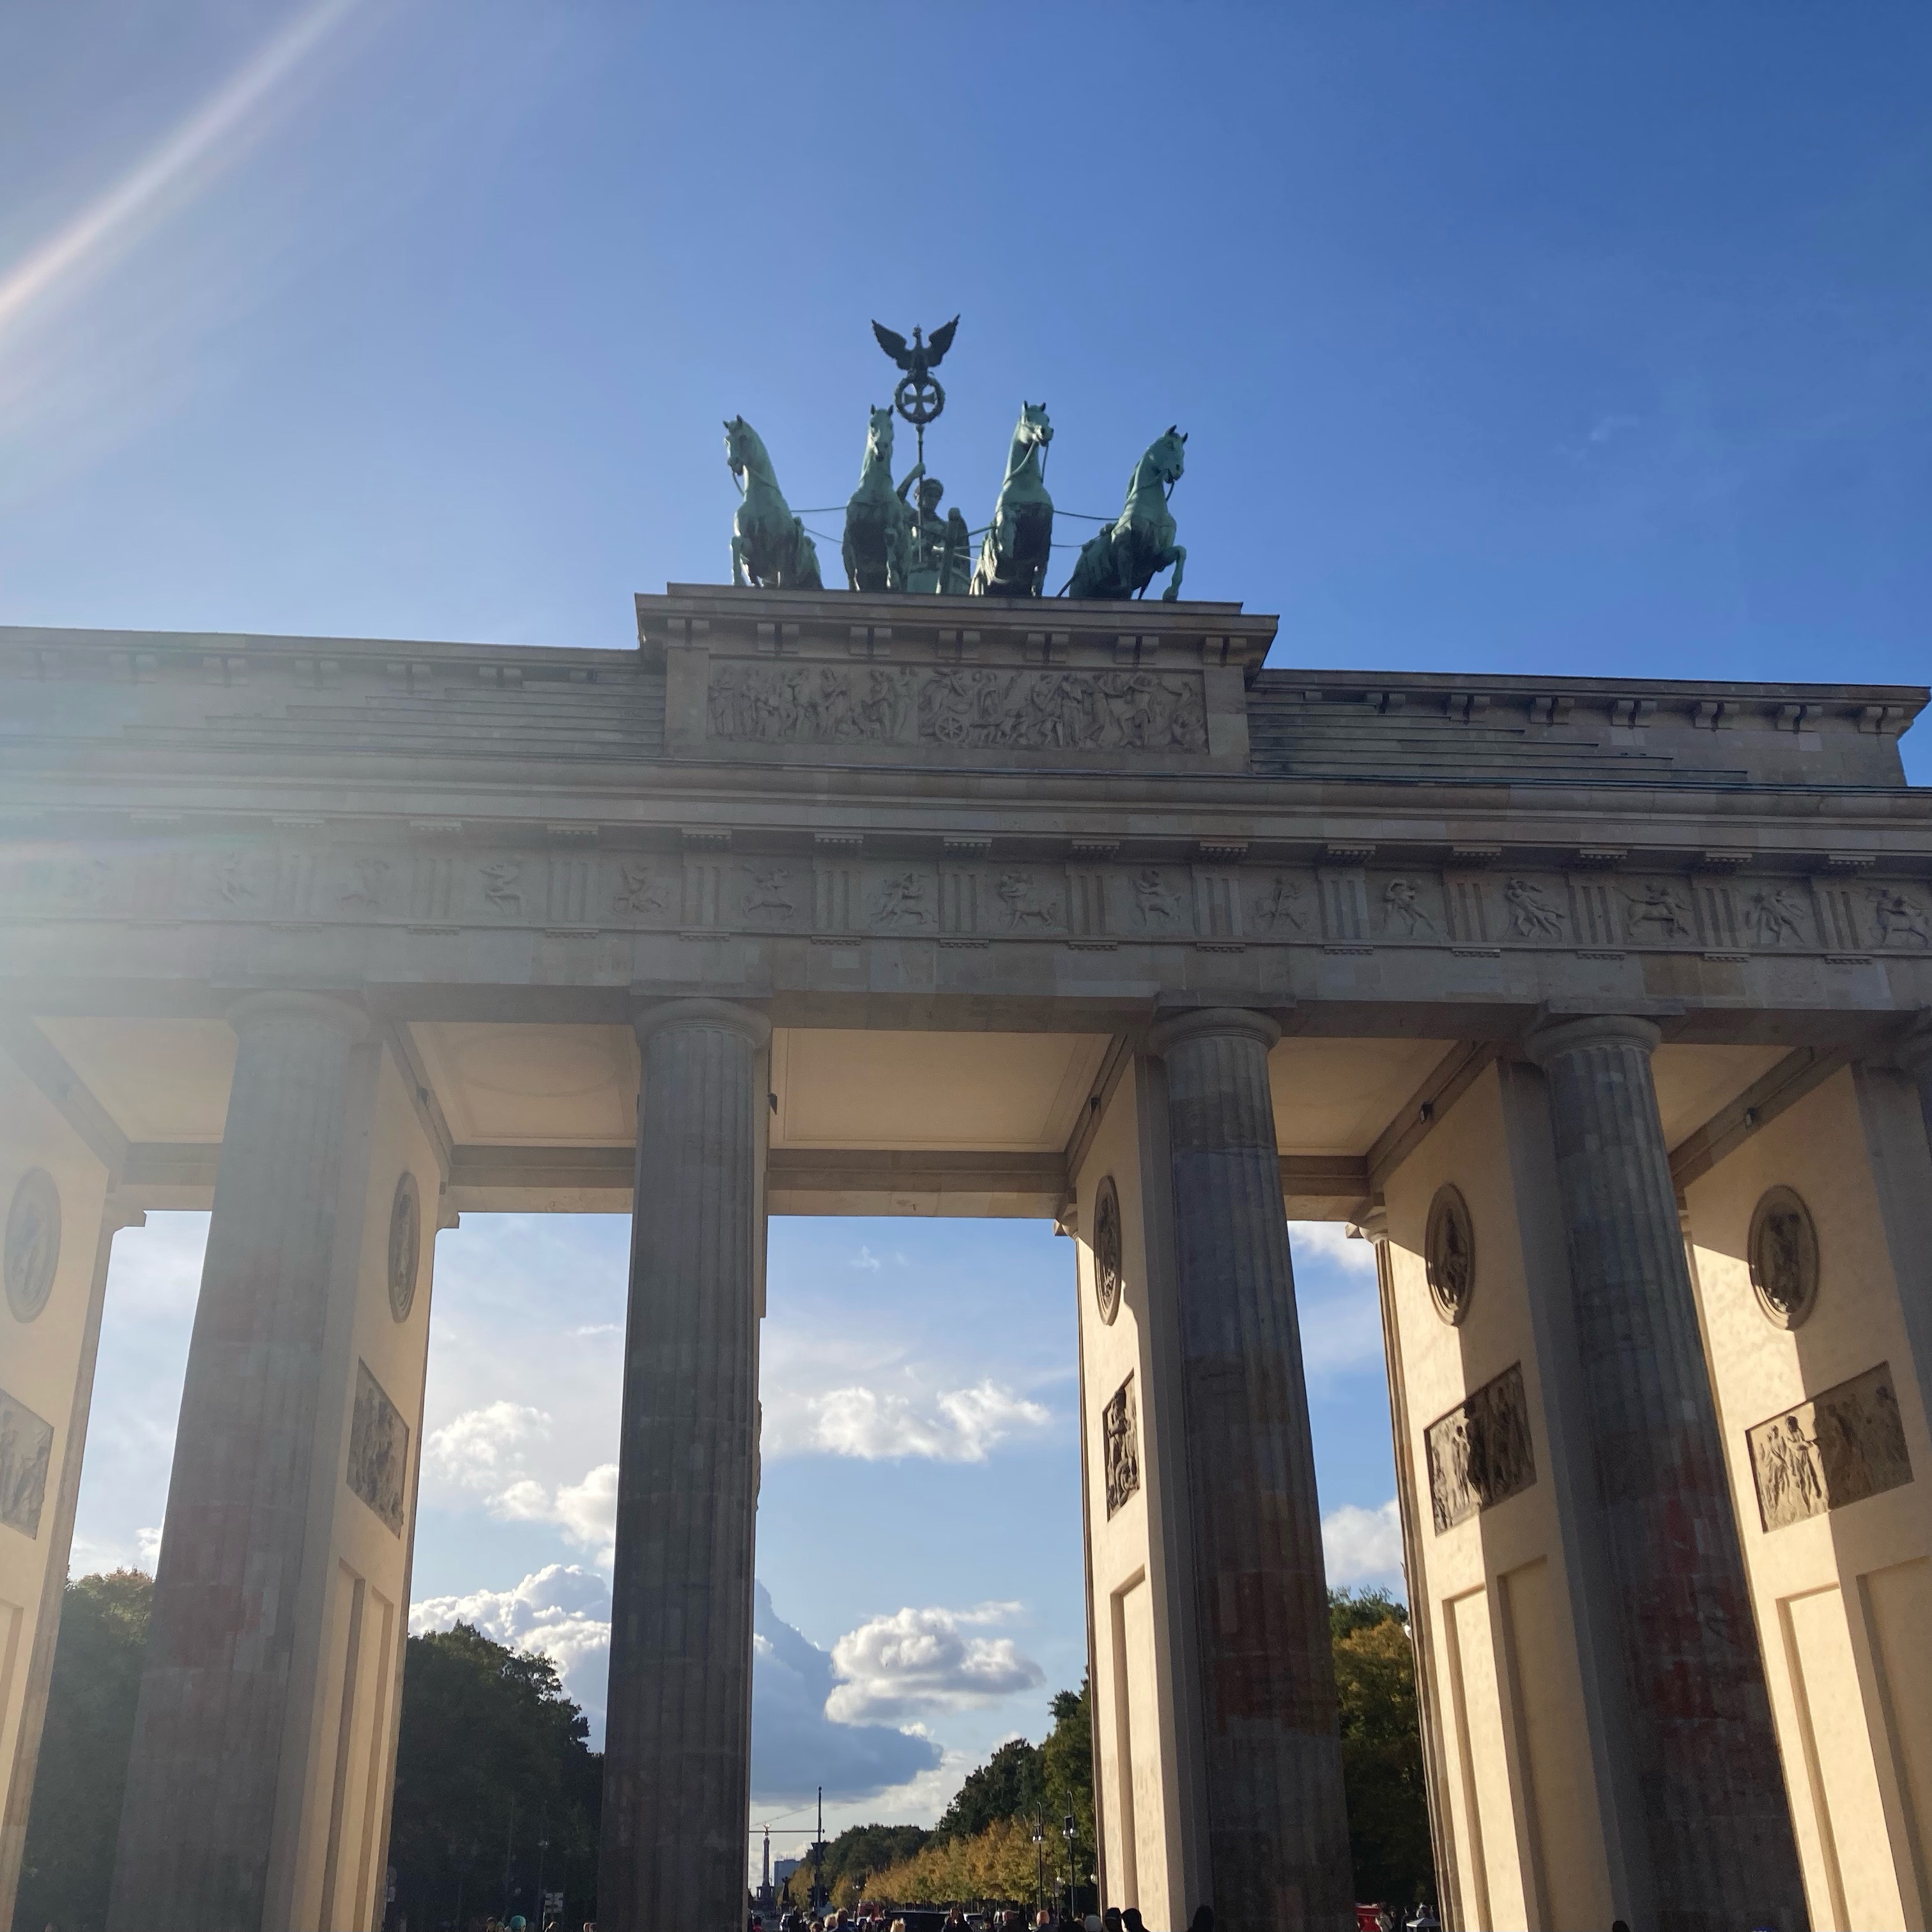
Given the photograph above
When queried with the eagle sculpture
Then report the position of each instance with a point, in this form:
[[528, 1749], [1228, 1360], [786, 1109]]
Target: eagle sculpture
[[919, 356]]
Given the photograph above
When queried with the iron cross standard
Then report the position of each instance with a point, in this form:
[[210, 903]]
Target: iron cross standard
[[919, 397]]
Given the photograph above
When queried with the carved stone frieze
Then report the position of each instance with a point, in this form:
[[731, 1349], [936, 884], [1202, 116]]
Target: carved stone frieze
[[957, 709], [26, 1448], [1095, 895], [1119, 1427], [378, 1451], [1480, 1453], [1840, 1447]]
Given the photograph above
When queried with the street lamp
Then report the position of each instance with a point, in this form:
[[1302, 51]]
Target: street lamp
[[1069, 1830], [1039, 1853]]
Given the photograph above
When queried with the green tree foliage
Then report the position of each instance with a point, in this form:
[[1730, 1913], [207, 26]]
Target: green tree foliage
[[1067, 1760], [853, 1856], [1381, 1747], [492, 1756], [1012, 1784], [83, 1765]]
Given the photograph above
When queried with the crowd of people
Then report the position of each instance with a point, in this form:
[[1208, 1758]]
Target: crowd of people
[[878, 1919]]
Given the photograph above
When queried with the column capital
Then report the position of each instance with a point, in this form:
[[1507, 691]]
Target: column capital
[[334, 1009], [1554, 1037], [1211, 1022], [719, 1015], [1371, 1224]]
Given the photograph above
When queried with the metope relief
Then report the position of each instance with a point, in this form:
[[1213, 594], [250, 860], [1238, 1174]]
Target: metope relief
[[1404, 915], [26, 1447], [1840, 1447], [1479, 1453], [378, 1451], [1026, 903], [964, 710], [1773, 913], [1533, 913], [1900, 918], [1159, 905], [1120, 1433]]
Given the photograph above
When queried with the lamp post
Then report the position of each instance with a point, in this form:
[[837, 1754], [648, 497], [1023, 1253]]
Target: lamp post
[[1069, 1830], [543, 1845], [1039, 1854]]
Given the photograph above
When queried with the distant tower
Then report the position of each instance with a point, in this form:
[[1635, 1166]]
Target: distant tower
[[765, 1888]]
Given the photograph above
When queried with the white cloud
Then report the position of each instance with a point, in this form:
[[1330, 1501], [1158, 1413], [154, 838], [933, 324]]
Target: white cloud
[[1331, 1241], [895, 1668], [798, 1743], [485, 1449], [586, 1511], [961, 1425], [1362, 1545], [148, 1541], [865, 1258], [561, 1611]]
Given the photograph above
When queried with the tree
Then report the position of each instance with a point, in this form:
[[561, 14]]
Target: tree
[[1381, 1747], [1067, 1762], [1012, 1784], [69, 1863], [492, 1756]]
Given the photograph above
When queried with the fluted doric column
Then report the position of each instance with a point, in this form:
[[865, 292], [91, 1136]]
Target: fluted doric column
[[1277, 1824], [205, 1779], [1716, 1814], [678, 1750]]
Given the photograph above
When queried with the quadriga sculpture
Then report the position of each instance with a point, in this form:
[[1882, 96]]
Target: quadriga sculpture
[[1127, 554], [1013, 559], [878, 525], [770, 546]]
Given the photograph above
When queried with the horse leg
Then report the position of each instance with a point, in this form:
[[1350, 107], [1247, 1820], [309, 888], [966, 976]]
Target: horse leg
[[738, 561], [1176, 555]]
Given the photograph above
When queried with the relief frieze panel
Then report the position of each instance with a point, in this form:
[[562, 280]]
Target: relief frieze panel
[[958, 710], [1846, 1444], [1093, 897]]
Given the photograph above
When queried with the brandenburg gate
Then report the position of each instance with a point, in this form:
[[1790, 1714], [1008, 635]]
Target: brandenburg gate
[[1597, 1006]]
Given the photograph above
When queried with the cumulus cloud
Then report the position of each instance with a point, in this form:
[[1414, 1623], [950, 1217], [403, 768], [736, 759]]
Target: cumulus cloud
[[1331, 1241], [944, 1425], [587, 1511], [798, 1743], [916, 1662], [1362, 1545], [485, 1449], [561, 1611]]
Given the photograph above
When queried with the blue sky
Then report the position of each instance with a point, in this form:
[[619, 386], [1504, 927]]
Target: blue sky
[[1506, 337]]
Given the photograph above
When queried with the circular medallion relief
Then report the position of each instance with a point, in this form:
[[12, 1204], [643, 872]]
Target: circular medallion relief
[[405, 1246], [1107, 1248], [33, 1242], [1449, 1253], [1783, 1252]]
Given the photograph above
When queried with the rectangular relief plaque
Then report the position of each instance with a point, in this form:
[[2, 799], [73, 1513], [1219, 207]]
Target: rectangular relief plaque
[[378, 1451], [1121, 1430], [1480, 1453], [812, 703], [26, 1447], [1842, 1446]]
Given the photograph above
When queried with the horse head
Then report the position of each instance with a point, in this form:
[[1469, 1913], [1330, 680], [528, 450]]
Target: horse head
[[1166, 456], [879, 439], [741, 446], [1033, 426]]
